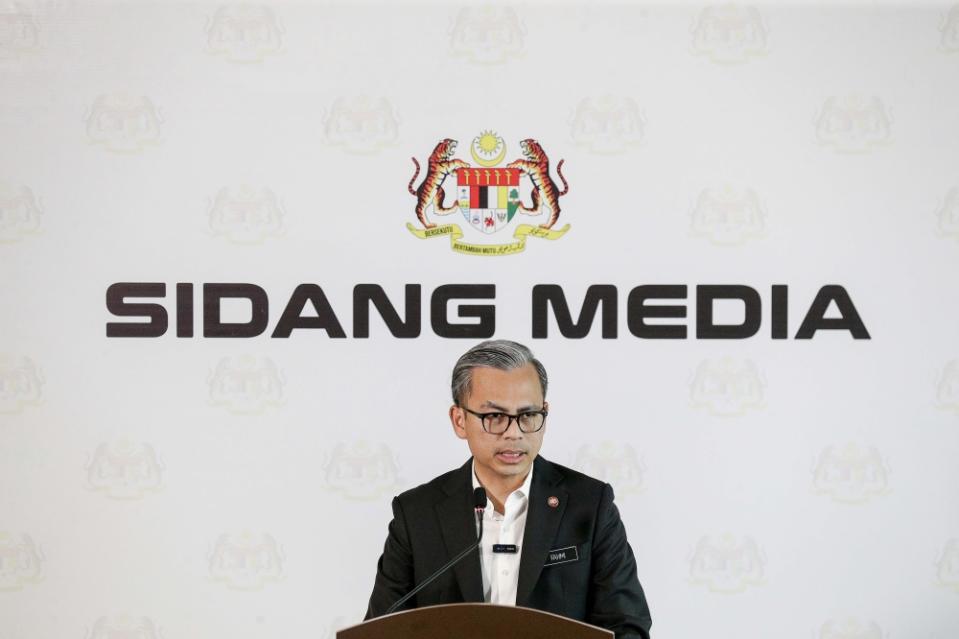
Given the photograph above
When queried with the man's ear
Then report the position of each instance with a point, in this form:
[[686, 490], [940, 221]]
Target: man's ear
[[458, 420]]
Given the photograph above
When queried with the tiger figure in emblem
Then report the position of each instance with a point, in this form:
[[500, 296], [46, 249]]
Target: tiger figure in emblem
[[430, 190], [545, 191]]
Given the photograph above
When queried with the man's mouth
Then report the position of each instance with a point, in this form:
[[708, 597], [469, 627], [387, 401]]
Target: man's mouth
[[510, 456]]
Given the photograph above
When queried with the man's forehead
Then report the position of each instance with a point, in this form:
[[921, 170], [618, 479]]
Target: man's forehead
[[496, 388], [492, 371], [488, 375]]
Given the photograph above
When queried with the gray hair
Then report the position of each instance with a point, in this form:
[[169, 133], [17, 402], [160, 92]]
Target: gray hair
[[501, 354]]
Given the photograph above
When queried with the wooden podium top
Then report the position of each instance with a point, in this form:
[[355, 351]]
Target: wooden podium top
[[473, 621]]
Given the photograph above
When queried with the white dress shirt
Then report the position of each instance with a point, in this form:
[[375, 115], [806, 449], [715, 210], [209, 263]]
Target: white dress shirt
[[501, 570]]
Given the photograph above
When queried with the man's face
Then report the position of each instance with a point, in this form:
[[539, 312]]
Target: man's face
[[509, 454]]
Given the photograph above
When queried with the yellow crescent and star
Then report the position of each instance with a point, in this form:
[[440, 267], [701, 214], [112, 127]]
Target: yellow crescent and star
[[484, 149]]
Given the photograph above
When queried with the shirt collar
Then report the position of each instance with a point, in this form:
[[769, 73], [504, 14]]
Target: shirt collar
[[523, 489]]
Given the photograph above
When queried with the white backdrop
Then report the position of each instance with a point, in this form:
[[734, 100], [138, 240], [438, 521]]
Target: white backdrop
[[200, 487]]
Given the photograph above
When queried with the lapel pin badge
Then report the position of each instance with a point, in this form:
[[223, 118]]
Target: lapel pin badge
[[553, 501]]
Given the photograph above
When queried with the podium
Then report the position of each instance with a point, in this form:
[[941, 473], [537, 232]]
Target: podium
[[473, 621]]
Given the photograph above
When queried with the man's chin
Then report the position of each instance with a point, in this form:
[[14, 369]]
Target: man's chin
[[507, 465]]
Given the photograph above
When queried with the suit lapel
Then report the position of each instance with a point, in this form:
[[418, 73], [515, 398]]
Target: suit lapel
[[458, 524], [542, 524]]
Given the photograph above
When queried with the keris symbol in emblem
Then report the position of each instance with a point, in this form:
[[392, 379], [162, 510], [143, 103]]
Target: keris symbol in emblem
[[488, 196]]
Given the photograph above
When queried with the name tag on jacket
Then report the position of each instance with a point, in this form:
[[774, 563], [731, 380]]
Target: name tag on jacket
[[562, 556]]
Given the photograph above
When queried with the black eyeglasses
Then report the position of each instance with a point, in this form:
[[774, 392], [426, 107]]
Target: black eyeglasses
[[499, 423]]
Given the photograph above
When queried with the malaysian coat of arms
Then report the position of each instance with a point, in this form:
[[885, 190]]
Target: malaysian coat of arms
[[488, 196]]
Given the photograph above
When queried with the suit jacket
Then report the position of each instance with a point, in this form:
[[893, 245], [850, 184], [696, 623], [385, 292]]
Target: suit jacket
[[435, 521]]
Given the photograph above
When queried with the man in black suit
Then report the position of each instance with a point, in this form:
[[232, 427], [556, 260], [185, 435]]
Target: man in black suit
[[560, 545]]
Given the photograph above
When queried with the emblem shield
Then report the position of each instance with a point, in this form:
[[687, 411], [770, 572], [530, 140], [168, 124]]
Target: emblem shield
[[488, 198]]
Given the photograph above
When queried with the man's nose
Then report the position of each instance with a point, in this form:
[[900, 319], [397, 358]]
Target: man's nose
[[512, 433]]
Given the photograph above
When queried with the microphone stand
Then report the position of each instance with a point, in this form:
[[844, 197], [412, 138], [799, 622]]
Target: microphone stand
[[447, 566]]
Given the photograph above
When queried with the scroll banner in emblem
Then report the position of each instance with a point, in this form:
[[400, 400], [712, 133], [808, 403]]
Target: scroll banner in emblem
[[455, 232]]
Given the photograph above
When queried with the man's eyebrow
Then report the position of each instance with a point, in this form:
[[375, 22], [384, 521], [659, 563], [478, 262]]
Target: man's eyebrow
[[502, 409]]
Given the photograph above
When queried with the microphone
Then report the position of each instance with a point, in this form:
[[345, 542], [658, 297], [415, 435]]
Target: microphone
[[479, 499], [479, 505]]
